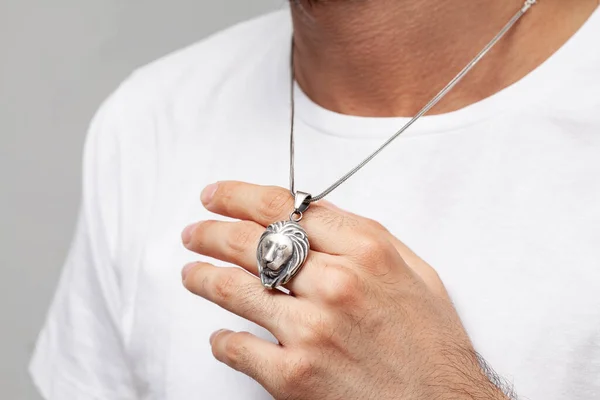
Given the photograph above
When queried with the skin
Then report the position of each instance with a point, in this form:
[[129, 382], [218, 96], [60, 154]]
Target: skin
[[366, 284], [366, 318], [386, 58]]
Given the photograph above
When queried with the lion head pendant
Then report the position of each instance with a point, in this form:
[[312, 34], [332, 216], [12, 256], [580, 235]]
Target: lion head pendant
[[281, 251]]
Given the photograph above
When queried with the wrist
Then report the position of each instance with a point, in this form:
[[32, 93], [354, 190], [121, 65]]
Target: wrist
[[501, 388], [468, 376]]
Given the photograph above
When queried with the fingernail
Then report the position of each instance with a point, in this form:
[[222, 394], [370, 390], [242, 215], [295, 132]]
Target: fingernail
[[214, 334], [186, 268], [208, 193], [186, 235]]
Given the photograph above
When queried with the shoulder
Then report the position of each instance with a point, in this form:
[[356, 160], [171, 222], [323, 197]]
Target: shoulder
[[202, 65], [150, 109], [158, 99], [134, 136]]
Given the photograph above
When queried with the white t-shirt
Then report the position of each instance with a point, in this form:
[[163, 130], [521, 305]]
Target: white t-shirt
[[502, 198]]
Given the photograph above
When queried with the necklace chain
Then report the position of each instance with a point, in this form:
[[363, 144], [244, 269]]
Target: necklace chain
[[432, 103]]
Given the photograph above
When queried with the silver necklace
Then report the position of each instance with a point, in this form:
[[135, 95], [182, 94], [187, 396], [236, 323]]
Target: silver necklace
[[284, 246]]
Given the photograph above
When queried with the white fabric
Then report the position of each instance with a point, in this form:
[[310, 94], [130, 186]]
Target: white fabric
[[501, 197]]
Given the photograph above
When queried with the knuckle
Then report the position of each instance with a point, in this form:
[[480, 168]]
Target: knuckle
[[297, 372], [342, 286], [225, 194], [372, 249], [274, 203], [317, 330], [194, 280], [225, 285], [434, 282], [239, 238], [377, 226], [434, 276], [235, 349], [197, 238]]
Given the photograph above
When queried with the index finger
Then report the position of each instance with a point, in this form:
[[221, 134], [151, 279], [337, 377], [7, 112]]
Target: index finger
[[331, 230]]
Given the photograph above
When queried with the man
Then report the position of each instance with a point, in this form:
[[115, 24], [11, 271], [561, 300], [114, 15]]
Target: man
[[497, 195]]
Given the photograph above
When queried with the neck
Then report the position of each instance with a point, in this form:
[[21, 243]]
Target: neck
[[390, 57]]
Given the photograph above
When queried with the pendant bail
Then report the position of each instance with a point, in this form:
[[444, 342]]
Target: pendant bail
[[301, 204], [301, 201]]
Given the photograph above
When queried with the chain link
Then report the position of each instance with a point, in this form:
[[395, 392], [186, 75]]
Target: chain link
[[527, 5]]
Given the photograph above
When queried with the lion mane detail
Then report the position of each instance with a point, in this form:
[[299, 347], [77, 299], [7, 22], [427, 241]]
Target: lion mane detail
[[300, 244]]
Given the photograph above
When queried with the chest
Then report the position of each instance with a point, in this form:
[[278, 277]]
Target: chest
[[512, 227]]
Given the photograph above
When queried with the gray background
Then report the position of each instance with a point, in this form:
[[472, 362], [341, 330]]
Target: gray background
[[58, 60]]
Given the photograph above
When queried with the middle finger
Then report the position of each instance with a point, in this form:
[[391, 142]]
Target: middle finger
[[235, 242]]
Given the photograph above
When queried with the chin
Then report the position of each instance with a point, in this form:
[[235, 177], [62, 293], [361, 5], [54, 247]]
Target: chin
[[270, 278], [270, 273]]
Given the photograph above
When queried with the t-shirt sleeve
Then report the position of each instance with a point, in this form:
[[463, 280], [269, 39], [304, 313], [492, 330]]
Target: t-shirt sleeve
[[80, 352]]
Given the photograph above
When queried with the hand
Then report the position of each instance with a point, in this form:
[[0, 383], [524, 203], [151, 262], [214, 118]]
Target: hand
[[367, 318]]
